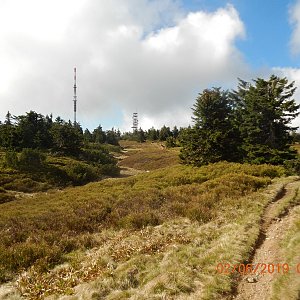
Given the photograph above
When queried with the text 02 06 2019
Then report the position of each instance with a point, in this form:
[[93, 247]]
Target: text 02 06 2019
[[256, 268]]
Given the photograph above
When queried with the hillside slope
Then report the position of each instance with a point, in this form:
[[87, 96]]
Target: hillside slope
[[157, 235]]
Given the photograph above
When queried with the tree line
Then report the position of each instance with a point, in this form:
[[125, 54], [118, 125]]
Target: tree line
[[164, 134], [250, 124], [35, 131], [33, 144]]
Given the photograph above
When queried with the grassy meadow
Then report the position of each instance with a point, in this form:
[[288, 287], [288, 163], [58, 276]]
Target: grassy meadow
[[156, 235], [148, 156]]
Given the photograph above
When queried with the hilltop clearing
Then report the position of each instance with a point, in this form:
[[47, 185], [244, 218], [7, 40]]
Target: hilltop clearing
[[146, 157]]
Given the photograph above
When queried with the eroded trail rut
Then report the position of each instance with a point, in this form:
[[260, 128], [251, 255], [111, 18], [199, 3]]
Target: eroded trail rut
[[258, 286]]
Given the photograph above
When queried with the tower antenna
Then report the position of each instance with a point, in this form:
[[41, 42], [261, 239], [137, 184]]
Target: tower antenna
[[135, 122], [75, 96]]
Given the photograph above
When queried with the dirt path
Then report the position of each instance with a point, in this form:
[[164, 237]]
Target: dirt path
[[8, 292], [127, 171], [258, 286]]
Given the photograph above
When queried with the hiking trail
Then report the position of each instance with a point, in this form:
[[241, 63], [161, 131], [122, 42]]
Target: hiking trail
[[267, 250]]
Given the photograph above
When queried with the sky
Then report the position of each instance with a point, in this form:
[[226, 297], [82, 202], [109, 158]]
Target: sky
[[147, 56]]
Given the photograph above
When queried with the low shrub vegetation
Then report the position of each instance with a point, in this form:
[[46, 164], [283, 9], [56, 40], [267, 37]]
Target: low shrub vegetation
[[213, 201], [81, 173], [33, 170], [31, 159]]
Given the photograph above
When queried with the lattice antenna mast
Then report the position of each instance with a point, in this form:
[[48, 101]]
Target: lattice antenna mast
[[135, 122], [75, 96]]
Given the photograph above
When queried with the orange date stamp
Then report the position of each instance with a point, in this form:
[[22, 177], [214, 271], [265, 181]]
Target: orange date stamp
[[256, 268]]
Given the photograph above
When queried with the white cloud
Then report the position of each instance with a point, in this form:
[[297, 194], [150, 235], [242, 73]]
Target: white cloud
[[130, 54], [295, 21], [41, 20]]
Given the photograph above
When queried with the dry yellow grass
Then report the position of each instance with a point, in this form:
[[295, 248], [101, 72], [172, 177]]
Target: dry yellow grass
[[287, 286], [148, 156], [154, 235]]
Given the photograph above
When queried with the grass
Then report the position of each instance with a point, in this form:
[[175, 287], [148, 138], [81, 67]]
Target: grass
[[148, 156], [286, 205], [5, 196], [287, 286], [154, 235]]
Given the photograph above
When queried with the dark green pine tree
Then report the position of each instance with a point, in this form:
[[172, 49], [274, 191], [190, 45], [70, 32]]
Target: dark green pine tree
[[175, 132], [266, 110], [32, 131], [164, 133], [87, 136], [98, 135], [213, 136], [140, 136], [152, 134], [8, 119], [8, 133], [66, 138], [112, 137]]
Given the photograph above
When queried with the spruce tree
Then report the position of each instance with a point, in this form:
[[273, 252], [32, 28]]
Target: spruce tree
[[152, 134], [140, 136], [213, 136], [164, 133], [98, 135], [265, 110]]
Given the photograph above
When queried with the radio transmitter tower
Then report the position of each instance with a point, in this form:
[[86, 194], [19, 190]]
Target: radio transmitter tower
[[135, 122], [75, 96]]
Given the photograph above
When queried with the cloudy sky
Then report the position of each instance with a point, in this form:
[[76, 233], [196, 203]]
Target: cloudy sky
[[149, 56]]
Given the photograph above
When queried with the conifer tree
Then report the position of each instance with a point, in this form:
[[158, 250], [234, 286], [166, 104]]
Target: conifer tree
[[87, 136], [152, 134], [140, 134], [8, 118], [212, 138], [99, 135], [265, 110], [164, 133]]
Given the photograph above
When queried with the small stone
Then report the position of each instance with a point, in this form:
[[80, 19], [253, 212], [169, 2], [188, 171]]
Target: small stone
[[252, 279]]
